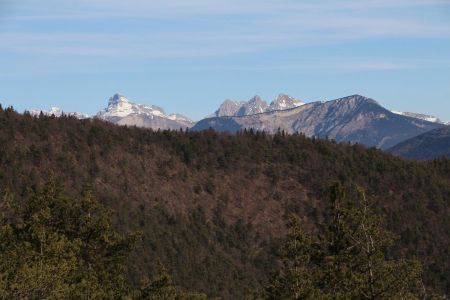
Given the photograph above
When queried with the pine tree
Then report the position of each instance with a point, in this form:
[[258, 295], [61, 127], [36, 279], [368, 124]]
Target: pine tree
[[296, 279], [347, 260], [353, 254], [53, 247]]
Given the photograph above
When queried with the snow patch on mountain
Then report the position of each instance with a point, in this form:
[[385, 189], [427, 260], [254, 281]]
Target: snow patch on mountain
[[283, 102], [119, 107], [179, 117], [57, 112], [424, 117]]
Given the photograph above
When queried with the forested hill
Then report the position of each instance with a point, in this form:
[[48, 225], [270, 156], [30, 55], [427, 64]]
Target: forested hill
[[430, 145], [212, 207]]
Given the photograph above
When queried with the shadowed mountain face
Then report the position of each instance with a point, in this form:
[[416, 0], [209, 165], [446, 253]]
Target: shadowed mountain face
[[430, 145], [354, 118]]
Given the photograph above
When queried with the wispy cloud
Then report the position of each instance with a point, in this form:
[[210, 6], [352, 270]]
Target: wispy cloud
[[249, 36], [334, 64], [35, 9], [199, 29]]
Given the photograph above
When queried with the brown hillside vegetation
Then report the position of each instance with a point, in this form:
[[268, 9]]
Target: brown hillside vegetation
[[212, 207]]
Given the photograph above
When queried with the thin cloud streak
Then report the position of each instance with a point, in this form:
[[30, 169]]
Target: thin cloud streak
[[94, 9], [306, 65], [362, 65], [256, 37], [263, 25]]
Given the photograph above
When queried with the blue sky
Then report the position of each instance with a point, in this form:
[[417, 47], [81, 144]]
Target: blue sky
[[189, 55]]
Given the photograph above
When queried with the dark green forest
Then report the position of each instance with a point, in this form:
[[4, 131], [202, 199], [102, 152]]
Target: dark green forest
[[214, 208]]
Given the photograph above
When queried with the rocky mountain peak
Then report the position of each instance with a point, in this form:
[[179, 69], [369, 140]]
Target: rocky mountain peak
[[228, 108], [122, 111], [256, 105], [351, 102], [284, 101], [361, 99], [117, 99]]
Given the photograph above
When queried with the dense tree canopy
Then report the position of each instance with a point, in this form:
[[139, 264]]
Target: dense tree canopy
[[212, 207]]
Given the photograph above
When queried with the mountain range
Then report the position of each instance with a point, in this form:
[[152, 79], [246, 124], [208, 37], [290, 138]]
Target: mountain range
[[256, 105], [355, 118]]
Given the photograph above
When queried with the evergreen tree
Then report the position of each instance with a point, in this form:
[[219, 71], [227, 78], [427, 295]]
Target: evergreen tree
[[296, 279], [348, 259], [353, 254], [53, 247]]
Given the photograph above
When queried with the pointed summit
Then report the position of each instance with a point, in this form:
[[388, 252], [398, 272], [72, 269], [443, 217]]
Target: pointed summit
[[228, 108], [117, 99], [256, 105], [356, 98], [122, 111], [283, 102]]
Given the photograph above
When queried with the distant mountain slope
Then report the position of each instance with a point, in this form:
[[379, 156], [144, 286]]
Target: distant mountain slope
[[354, 118], [432, 144], [122, 111]]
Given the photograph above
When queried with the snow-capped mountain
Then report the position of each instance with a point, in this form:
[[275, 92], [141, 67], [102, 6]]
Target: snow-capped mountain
[[57, 112], [283, 102], [122, 111], [420, 116], [119, 107]]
